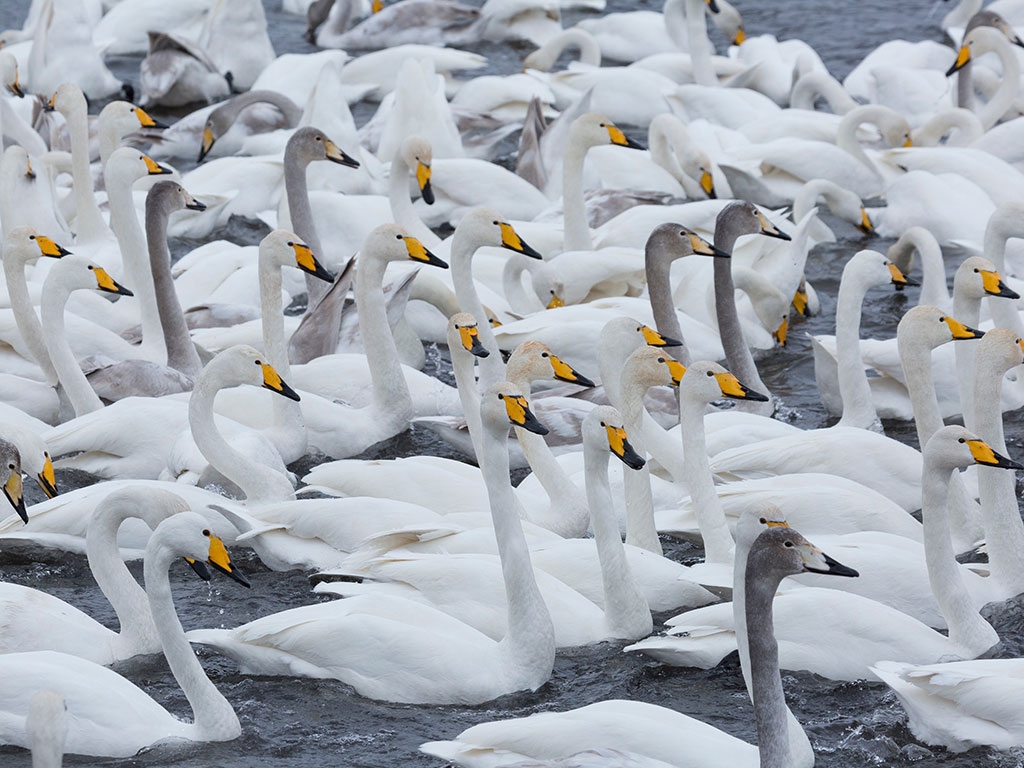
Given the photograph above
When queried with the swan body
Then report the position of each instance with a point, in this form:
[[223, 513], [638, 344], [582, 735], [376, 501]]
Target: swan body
[[111, 716]]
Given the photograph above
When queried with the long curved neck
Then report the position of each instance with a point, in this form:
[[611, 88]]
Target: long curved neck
[[737, 353], [125, 223], [289, 430], [291, 111], [658, 269], [463, 248], [544, 58], [846, 133], [964, 124], [574, 209], [301, 214], [916, 360], [469, 396], [718, 542], [25, 315], [1009, 86], [213, 716], [967, 310], [858, 406], [390, 392], [626, 612], [81, 395], [89, 224], [700, 46], [181, 352], [1004, 530], [640, 528], [530, 640], [138, 634], [566, 497], [401, 204], [967, 629], [257, 482], [934, 291], [770, 710], [814, 84]]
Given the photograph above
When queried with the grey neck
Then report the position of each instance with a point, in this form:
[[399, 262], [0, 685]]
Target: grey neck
[[658, 266]]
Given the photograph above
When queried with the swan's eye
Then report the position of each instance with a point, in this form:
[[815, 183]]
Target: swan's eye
[[90, 266], [764, 521], [33, 237], [206, 532], [602, 424], [10, 466], [318, 138], [682, 233], [976, 270], [257, 362], [501, 396], [789, 543], [942, 319], [398, 237], [290, 244], [711, 373], [961, 440], [661, 359], [495, 222], [603, 125], [543, 354]]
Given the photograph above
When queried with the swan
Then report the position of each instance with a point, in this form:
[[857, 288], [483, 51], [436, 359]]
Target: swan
[[37, 621], [343, 639], [177, 71], [865, 631], [134, 437], [33, 449], [221, 119], [11, 458], [118, 119], [987, 39], [109, 715], [72, 273], [432, 22], [468, 588], [659, 732]]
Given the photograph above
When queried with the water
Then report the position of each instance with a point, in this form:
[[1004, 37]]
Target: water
[[299, 722]]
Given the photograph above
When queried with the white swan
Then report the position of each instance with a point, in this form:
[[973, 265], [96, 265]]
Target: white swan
[[109, 715], [10, 460], [850, 633], [47, 727], [659, 732], [37, 621], [343, 639], [469, 587]]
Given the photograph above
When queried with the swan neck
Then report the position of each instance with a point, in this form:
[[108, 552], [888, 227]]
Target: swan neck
[[967, 629], [858, 406], [25, 315], [658, 268], [181, 352], [916, 361], [213, 716], [401, 204], [625, 607], [640, 528], [89, 225], [718, 542], [1009, 84], [846, 133], [574, 208], [300, 212], [390, 392], [700, 46], [770, 710], [530, 639], [125, 224], [464, 246], [55, 295]]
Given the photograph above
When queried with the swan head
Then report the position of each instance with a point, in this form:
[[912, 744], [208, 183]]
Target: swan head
[[165, 197], [187, 534], [955, 447], [977, 277], [983, 38], [674, 241], [463, 333], [486, 227], [871, 268], [504, 403], [1003, 347], [651, 367], [286, 249], [705, 381], [68, 99], [78, 273], [10, 473], [126, 118], [780, 552], [654, 339], [595, 130], [27, 244], [128, 164], [242, 364], [755, 519], [603, 430], [390, 242], [218, 122], [536, 361], [418, 155], [931, 327], [744, 218], [9, 74], [309, 144]]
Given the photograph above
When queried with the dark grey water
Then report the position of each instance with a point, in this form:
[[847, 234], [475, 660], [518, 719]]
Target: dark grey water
[[297, 722]]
